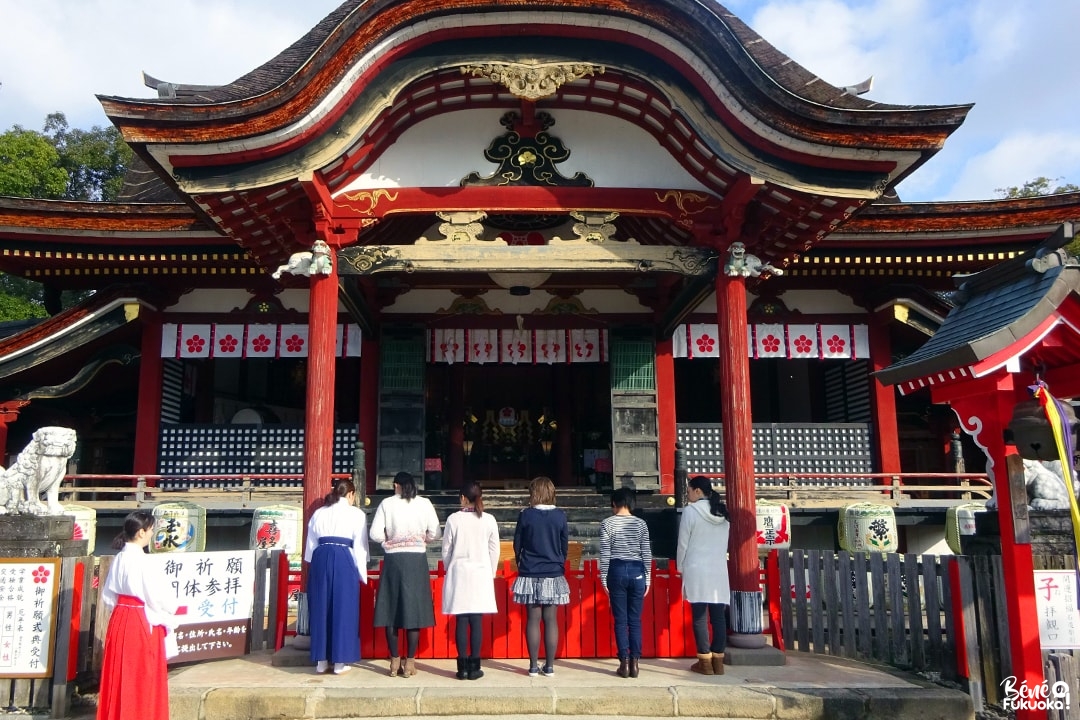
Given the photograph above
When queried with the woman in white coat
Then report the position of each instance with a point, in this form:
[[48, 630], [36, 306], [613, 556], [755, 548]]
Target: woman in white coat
[[470, 550], [702, 558]]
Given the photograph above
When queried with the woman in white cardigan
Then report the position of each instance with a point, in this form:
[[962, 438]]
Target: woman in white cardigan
[[702, 559], [470, 550], [404, 524]]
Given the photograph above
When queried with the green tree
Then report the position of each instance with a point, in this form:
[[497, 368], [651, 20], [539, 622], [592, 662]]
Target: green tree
[[1034, 188], [95, 160], [1042, 186], [58, 163], [30, 166]]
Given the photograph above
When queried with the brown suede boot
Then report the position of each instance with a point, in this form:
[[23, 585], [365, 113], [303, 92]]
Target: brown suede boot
[[704, 664], [410, 667], [718, 663], [395, 665]]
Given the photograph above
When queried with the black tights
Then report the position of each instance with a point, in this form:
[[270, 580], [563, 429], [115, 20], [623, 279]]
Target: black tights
[[469, 634], [412, 641], [550, 615]]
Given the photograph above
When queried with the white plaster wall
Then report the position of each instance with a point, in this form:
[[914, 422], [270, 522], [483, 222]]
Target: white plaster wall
[[430, 301], [611, 151], [927, 540], [808, 302], [223, 301]]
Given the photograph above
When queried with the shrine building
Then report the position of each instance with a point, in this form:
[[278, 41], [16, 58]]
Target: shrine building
[[493, 241]]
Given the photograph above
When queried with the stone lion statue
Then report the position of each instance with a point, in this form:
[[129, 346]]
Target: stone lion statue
[[39, 468], [316, 262], [741, 264]]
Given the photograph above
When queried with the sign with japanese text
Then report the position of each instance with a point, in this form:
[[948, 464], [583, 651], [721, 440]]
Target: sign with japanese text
[[217, 589], [1055, 600], [28, 593]]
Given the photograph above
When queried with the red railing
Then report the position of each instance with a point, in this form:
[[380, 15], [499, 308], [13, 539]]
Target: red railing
[[585, 625]]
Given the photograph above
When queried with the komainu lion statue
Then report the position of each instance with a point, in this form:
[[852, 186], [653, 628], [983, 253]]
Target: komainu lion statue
[[316, 262], [39, 468]]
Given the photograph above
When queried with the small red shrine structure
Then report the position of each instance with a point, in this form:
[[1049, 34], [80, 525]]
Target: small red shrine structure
[[418, 230], [1014, 325]]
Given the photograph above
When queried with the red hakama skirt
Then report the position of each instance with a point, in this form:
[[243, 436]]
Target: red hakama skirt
[[134, 673]]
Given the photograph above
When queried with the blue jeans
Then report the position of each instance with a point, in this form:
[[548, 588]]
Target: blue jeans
[[626, 587]]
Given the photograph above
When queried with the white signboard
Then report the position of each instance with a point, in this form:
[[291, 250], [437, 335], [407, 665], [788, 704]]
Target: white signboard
[[1059, 618], [217, 589], [28, 592]]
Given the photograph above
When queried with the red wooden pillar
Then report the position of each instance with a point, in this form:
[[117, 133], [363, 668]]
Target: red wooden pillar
[[369, 407], [148, 418], [319, 425], [9, 413], [745, 609], [884, 397], [665, 406], [985, 419]]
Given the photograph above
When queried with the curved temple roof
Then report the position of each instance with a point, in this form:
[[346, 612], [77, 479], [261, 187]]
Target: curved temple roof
[[723, 101]]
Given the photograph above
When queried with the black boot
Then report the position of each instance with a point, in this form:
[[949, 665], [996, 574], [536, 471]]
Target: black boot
[[634, 669], [462, 668], [475, 673], [624, 669]]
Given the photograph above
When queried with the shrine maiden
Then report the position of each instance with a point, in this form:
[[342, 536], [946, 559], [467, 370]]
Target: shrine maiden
[[337, 550], [134, 673]]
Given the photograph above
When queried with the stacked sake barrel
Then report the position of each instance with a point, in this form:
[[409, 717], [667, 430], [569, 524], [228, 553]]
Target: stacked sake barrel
[[868, 527], [179, 527]]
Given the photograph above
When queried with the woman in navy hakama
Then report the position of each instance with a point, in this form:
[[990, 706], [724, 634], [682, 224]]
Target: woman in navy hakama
[[337, 551]]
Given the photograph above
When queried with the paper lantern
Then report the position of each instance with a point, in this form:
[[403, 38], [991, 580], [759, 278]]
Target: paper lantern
[[960, 520], [868, 527], [85, 524], [179, 527], [277, 527], [773, 526]]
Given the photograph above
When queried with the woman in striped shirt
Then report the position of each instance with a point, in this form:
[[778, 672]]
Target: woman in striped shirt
[[625, 563]]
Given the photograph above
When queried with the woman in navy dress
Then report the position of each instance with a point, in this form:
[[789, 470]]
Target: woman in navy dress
[[337, 550]]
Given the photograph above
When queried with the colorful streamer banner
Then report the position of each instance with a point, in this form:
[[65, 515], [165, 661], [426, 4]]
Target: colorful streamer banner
[[1063, 440]]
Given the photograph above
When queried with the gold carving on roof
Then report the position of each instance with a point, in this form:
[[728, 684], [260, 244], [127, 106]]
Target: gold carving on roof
[[532, 81], [461, 227], [365, 201], [595, 227]]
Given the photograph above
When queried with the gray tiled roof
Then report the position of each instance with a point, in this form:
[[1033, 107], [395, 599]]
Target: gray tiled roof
[[994, 309]]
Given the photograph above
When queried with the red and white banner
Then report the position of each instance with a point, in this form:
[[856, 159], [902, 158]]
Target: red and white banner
[[773, 340], [550, 346], [447, 346], [483, 346], [265, 340], [515, 346]]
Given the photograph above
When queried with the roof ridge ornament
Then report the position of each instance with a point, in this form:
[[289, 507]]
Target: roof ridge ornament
[[532, 80]]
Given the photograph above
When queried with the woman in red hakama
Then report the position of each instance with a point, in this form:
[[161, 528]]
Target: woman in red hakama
[[134, 673]]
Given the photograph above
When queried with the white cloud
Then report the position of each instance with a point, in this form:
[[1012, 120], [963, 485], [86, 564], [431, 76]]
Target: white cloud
[[1016, 62]]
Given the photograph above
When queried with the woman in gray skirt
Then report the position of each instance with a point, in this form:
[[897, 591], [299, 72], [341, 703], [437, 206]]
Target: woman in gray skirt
[[404, 524], [541, 541]]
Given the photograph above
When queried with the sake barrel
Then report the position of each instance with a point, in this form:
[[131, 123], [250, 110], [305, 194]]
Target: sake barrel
[[960, 520], [773, 526], [85, 524], [868, 527], [277, 527], [179, 527]]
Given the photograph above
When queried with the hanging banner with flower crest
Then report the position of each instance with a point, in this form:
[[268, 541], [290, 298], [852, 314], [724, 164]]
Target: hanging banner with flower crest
[[775, 340], [259, 340]]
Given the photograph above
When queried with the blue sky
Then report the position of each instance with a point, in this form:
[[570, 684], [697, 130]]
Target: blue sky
[[1016, 61]]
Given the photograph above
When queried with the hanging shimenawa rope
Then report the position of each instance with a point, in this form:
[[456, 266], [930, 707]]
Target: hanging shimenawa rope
[[1063, 439]]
